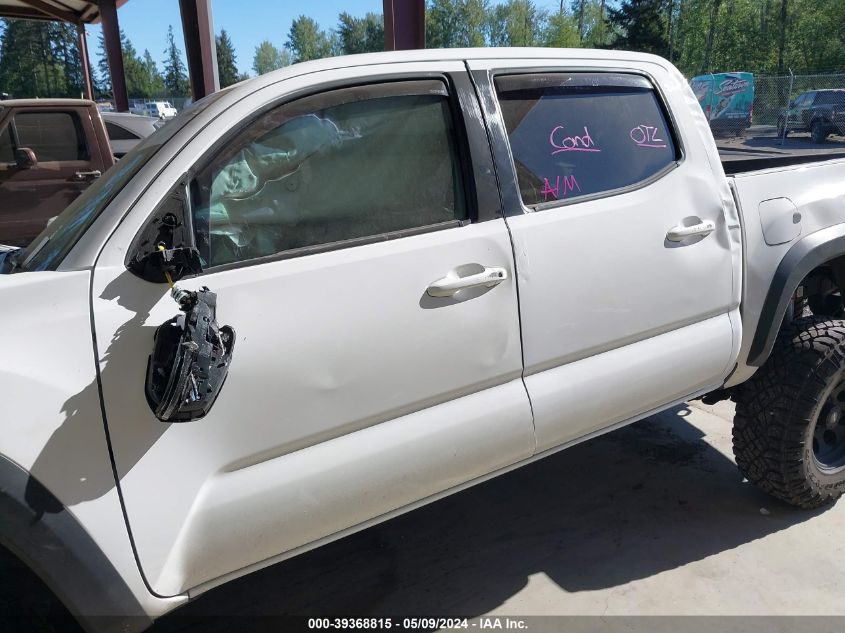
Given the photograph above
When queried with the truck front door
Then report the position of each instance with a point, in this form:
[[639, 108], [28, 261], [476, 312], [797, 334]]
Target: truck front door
[[344, 233]]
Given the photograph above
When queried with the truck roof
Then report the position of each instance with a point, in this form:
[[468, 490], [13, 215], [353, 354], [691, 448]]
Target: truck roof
[[449, 54], [17, 103]]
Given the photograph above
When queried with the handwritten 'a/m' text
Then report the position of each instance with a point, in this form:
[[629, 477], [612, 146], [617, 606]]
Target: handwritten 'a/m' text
[[569, 184]]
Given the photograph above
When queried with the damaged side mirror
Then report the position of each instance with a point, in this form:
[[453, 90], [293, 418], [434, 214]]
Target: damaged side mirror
[[190, 359], [191, 352], [164, 251]]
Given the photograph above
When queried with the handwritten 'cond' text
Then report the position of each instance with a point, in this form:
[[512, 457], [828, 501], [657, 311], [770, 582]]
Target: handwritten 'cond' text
[[571, 143]]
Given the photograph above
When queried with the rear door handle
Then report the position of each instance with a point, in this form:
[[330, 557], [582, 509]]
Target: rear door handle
[[87, 175], [453, 282], [682, 232]]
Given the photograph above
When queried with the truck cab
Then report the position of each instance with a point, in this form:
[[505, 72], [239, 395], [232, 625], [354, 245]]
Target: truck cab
[[51, 150]]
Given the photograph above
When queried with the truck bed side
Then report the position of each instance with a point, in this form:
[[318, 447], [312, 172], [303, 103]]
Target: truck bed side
[[779, 207]]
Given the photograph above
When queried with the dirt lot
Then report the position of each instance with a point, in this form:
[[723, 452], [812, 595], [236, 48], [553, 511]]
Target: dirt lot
[[653, 519]]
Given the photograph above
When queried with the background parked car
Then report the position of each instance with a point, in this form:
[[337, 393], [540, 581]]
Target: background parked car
[[819, 112], [126, 130]]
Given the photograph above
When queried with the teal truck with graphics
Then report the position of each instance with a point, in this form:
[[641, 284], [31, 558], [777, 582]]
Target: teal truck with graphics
[[727, 100]]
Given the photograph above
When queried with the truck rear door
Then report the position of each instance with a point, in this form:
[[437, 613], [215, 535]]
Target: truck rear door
[[625, 236]]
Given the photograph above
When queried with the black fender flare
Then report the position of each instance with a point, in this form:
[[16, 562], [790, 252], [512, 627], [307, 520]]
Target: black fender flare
[[58, 549], [806, 254]]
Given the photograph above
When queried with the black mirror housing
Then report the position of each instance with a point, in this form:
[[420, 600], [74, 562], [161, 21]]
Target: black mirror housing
[[25, 158], [190, 359]]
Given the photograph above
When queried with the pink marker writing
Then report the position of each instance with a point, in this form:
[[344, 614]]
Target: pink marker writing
[[569, 185], [646, 136], [572, 143]]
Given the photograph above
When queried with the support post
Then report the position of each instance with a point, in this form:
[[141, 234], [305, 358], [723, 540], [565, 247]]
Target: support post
[[114, 56], [404, 24], [200, 47], [87, 85]]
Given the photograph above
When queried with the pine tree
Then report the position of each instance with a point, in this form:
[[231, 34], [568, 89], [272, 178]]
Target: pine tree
[[175, 75], [154, 84], [39, 59], [227, 68], [641, 26]]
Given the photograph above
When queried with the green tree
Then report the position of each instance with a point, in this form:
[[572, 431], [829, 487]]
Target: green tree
[[456, 23], [39, 59], [516, 23], [227, 69], [360, 35], [641, 26], [307, 41], [175, 75], [153, 81], [268, 57], [562, 31]]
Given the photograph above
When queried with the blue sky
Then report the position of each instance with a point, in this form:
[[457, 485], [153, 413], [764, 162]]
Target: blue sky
[[247, 22]]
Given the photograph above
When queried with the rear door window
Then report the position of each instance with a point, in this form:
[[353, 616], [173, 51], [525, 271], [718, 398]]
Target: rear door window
[[582, 134], [53, 136], [117, 133]]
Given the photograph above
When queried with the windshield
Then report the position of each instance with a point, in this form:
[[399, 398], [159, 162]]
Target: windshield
[[48, 249]]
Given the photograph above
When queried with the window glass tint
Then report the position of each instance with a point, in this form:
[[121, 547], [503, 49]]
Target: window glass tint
[[53, 136], [7, 148], [580, 134], [333, 167], [831, 98], [117, 133]]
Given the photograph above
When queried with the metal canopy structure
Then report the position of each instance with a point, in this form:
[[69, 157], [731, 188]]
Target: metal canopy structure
[[197, 27], [404, 28]]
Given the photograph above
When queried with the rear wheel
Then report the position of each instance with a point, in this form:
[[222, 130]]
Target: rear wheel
[[789, 429], [817, 132]]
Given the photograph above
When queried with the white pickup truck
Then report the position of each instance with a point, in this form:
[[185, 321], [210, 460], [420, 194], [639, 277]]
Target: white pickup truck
[[399, 275]]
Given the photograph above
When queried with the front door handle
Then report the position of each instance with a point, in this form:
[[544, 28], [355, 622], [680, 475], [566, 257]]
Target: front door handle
[[87, 175], [454, 281], [681, 232]]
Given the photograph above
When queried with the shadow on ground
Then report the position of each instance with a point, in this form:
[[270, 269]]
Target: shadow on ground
[[628, 505]]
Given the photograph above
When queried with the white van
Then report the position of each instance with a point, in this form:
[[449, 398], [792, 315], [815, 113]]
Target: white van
[[159, 109]]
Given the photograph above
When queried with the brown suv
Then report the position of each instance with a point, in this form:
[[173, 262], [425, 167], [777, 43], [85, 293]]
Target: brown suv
[[50, 151]]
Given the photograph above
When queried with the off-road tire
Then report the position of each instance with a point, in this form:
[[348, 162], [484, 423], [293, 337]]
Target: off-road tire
[[778, 408], [817, 133]]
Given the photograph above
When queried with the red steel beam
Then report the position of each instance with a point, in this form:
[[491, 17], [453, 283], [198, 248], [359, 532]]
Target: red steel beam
[[83, 59], [114, 56], [200, 47], [404, 24]]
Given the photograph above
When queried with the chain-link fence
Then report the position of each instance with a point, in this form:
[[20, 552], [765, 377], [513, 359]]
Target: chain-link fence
[[766, 111]]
